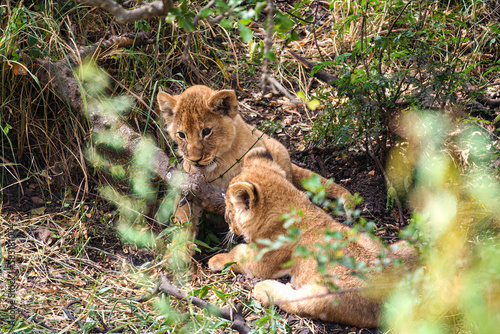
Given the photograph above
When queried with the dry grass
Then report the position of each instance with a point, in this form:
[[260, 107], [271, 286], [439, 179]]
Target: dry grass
[[56, 266]]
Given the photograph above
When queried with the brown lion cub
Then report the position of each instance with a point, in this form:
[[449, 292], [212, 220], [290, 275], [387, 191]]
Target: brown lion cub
[[255, 201], [212, 136]]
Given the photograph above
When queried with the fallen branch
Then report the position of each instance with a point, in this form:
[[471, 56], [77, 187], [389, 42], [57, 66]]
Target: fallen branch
[[228, 313], [208, 196], [59, 75], [308, 65], [124, 15], [486, 101]]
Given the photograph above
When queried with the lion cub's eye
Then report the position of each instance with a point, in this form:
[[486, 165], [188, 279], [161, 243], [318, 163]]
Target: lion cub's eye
[[181, 135], [206, 131]]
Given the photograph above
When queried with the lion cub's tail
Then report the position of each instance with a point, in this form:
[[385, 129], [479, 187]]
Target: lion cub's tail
[[334, 191]]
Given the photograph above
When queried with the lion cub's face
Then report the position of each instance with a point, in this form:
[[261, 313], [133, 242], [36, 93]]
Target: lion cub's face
[[201, 122]]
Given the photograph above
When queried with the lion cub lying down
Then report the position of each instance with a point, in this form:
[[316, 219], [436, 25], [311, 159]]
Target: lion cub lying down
[[255, 200]]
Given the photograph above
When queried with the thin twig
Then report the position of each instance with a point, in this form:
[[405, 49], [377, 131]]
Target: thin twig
[[238, 160], [267, 80], [381, 168], [185, 54], [387, 35], [300, 18], [314, 31], [363, 28]]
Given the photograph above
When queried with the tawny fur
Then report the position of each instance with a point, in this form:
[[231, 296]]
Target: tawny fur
[[225, 141], [255, 201]]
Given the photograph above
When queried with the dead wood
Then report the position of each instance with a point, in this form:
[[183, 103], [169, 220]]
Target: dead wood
[[484, 100], [124, 15], [232, 314], [308, 65], [59, 76]]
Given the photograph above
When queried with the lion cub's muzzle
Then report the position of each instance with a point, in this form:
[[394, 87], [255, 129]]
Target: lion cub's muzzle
[[201, 163]]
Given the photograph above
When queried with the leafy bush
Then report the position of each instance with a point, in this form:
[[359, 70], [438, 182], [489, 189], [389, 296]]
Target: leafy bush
[[418, 60]]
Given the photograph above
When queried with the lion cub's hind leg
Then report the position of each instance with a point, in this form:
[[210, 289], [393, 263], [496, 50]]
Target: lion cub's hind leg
[[298, 301], [315, 301]]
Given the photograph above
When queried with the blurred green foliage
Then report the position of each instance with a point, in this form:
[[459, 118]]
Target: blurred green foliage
[[455, 221]]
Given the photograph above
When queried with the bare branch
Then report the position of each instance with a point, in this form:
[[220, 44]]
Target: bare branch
[[123, 15], [268, 43], [234, 315], [267, 80]]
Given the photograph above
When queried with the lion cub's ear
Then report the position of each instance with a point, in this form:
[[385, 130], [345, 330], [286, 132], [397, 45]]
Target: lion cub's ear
[[167, 104], [224, 102], [243, 197]]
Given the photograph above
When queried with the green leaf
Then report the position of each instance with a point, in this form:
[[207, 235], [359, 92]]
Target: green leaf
[[381, 43], [31, 41], [282, 23], [227, 267], [247, 15], [293, 36], [313, 183], [271, 56], [496, 119], [245, 21], [201, 292], [258, 9], [6, 129], [245, 33], [222, 296], [321, 66], [206, 12], [261, 321], [391, 195], [186, 24], [234, 3], [201, 243], [226, 23], [175, 12]]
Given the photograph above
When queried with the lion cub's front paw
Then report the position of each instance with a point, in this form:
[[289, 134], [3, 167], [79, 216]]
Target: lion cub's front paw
[[217, 262], [269, 291]]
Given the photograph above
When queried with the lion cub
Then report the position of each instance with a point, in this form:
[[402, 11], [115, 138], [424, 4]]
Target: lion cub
[[255, 201], [212, 137]]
